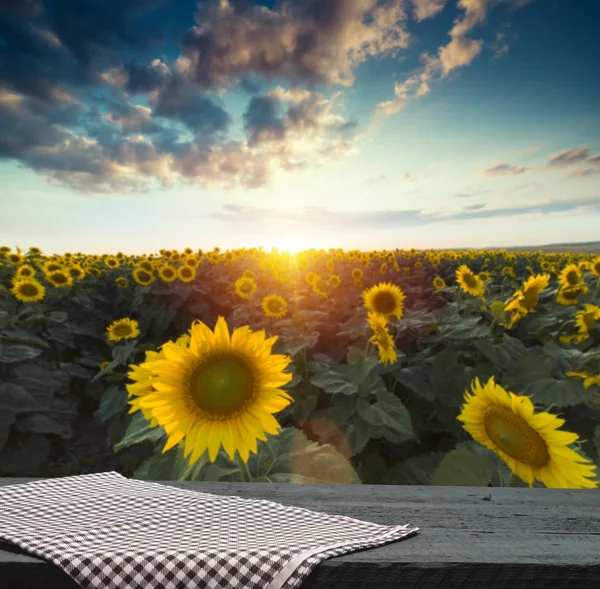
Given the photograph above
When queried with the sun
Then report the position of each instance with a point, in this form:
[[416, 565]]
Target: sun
[[292, 244]]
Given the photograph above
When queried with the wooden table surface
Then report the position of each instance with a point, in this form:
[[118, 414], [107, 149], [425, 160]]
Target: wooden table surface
[[471, 537]]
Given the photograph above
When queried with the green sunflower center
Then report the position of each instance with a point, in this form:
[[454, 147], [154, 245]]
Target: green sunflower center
[[515, 437], [29, 290], [470, 280], [122, 330], [222, 384], [384, 302]]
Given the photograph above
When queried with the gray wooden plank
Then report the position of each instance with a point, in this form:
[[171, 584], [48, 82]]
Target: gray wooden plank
[[470, 537]]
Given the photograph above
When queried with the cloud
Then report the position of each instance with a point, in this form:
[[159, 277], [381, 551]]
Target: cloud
[[477, 207], [504, 170], [423, 9], [594, 160], [377, 179], [459, 52], [568, 157], [472, 193], [241, 216], [310, 41]]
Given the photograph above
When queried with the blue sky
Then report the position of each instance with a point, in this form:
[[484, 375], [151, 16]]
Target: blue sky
[[348, 123]]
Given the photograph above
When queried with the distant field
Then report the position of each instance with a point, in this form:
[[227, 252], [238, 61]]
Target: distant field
[[592, 247]]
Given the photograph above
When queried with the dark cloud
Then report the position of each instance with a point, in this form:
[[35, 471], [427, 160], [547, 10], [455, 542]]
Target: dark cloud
[[312, 40], [20, 8], [504, 170], [264, 119], [475, 207], [568, 157], [184, 103]]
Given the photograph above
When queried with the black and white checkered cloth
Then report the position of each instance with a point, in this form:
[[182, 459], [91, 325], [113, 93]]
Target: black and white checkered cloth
[[107, 531]]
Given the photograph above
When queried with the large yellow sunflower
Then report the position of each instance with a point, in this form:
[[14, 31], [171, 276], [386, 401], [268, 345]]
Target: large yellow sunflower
[[386, 299], [468, 281], [585, 319], [122, 329], [439, 283], [220, 391], [529, 443], [568, 296], [25, 271], [28, 290], [167, 273], [186, 273], [595, 266]]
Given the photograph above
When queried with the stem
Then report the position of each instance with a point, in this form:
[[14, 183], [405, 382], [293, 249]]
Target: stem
[[245, 473], [514, 480]]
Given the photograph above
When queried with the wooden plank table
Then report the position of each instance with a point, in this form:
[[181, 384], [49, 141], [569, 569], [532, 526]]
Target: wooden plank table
[[471, 537]]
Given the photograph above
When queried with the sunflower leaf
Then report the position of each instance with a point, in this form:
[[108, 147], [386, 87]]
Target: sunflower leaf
[[463, 468]]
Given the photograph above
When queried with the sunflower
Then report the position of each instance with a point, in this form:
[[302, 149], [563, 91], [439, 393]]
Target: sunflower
[[245, 287], [439, 283], [76, 271], [167, 273], [334, 280], [59, 278], [146, 265], [25, 271], [569, 276], [568, 296], [51, 266], [143, 276], [186, 273], [122, 329], [122, 282], [386, 299], [468, 281], [249, 274], [28, 290], [357, 274], [529, 443], [524, 301], [595, 266], [112, 262], [222, 390], [483, 276], [382, 339], [585, 319], [274, 306], [15, 258], [588, 379], [35, 251]]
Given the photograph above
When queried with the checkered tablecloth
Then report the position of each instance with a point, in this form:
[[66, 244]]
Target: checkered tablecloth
[[111, 532]]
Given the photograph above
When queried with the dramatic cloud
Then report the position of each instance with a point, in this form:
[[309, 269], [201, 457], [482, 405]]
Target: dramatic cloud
[[504, 170], [423, 9], [311, 41], [459, 52], [568, 157]]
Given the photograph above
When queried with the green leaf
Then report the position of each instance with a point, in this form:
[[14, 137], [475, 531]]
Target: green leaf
[[7, 418], [448, 378], [415, 470], [463, 468], [335, 380], [416, 379], [24, 457], [21, 336], [17, 353], [301, 342], [114, 400], [41, 382], [463, 327], [388, 415], [503, 355], [39, 424], [15, 398], [138, 431], [58, 316], [122, 353]]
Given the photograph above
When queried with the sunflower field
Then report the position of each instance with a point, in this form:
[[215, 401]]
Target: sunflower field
[[478, 368]]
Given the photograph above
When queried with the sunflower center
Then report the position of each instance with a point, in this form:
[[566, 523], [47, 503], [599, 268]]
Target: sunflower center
[[516, 438], [384, 302], [122, 330], [572, 277], [59, 278], [222, 384], [470, 280], [569, 295], [29, 290]]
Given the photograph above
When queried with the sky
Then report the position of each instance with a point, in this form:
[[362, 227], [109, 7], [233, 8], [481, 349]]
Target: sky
[[371, 124]]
